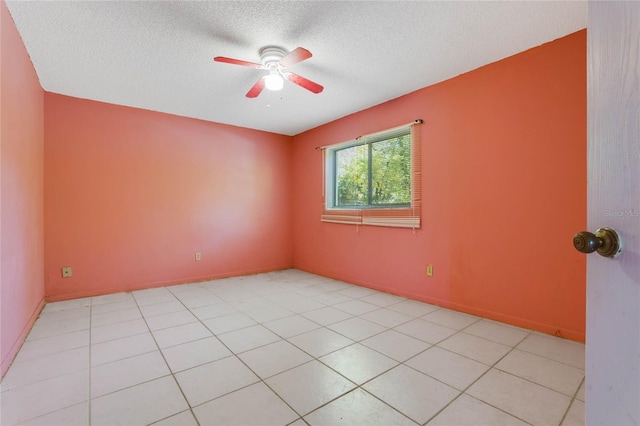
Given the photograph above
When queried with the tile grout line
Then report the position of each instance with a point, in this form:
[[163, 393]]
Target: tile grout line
[[261, 380], [462, 392], [513, 347], [360, 386], [3, 390], [234, 354], [551, 359], [313, 358], [399, 363], [89, 306], [491, 367], [166, 363], [573, 399], [357, 386]]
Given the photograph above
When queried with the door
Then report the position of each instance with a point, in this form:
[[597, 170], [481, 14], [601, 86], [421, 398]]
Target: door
[[613, 193]]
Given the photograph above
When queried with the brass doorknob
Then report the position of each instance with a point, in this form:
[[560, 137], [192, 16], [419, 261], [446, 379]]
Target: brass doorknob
[[605, 241]]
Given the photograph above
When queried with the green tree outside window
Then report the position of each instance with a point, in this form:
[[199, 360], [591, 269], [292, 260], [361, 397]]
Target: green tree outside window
[[376, 173]]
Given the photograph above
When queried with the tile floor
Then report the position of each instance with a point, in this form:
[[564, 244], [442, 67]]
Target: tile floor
[[284, 348]]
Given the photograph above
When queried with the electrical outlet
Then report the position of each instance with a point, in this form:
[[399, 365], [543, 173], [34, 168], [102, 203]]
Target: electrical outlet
[[198, 256], [66, 271], [429, 270]]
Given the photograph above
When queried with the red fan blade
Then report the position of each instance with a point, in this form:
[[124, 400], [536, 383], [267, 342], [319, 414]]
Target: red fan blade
[[237, 62], [295, 56], [256, 89], [303, 82]]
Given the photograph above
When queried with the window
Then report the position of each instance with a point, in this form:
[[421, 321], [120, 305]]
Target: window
[[374, 179]]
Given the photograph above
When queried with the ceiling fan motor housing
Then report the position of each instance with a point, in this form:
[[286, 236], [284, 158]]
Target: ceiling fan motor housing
[[270, 55]]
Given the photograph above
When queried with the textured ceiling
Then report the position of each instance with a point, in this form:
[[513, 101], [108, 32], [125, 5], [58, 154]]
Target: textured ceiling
[[157, 55]]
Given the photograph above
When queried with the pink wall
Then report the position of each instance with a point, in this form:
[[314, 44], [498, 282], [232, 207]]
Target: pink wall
[[21, 194], [132, 195], [504, 190]]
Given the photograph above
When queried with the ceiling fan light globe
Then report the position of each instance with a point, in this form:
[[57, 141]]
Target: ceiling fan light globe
[[274, 82]]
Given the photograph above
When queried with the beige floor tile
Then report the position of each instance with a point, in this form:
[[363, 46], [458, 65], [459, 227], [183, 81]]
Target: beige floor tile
[[272, 359], [291, 326], [153, 296], [309, 386], [269, 313], [555, 348], [396, 345], [426, 331], [76, 415], [497, 332], [226, 323], [523, 399], [118, 331], [162, 308], [45, 367], [386, 317], [327, 315], [331, 298], [580, 395], [111, 377], [254, 405], [451, 319], [356, 328], [543, 371], [448, 367], [356, 307], [172, 319], [209, 381], [66, 304], [382, 299], [174, 336], [43, 328], [477, 348], [193, 354], [248, 304], [414, 394], [466, 410], [66, 314], [213, 311], [111, 298], [114, 317], [184, 418], [357, 292], [192, 301], [142, 404], [248, 338], [50, 345], [358, 363], [413, 308], [357, 408], [113, 350], [35, 400], [113, 306], [576, 415], [300, 305], [320, 341]]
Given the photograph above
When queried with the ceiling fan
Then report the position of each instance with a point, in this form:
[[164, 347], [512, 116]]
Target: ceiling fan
[[276, 60]]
